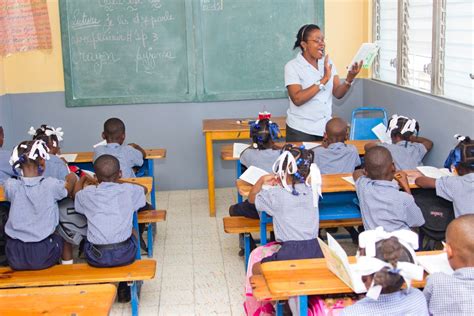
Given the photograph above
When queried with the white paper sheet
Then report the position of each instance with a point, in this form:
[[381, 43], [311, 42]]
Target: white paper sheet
[[311, 145], [349, 179], [252, 174], [435, 263], [381, 132], [367, 53], [238, 149], [69, 157], [434, 172]]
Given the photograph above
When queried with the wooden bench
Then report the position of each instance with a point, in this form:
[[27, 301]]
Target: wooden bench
[[246, 226], [82, 273], [149, 217], [94, 299]]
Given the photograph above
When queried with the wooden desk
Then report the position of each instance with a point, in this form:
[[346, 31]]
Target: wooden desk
[[61, 300], [227, 150], [308, 277], [87, 156], [225, 129], [331, 183]]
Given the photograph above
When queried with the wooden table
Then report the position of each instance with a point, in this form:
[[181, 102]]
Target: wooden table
[[227, 150], [226, 129], [309, 277], [60, 300], [331, 183], [87, 156]]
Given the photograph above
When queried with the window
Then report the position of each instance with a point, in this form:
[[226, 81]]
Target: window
[[426, 45]]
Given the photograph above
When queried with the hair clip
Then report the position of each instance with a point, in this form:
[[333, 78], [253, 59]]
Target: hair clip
[[302, 147]]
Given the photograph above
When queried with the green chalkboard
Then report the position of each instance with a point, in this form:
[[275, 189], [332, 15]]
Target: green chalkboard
[[149, 51]]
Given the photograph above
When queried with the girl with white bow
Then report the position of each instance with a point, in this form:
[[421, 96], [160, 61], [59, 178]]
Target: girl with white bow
[[407, 148], [55, 166], [388, 261], [292, 201]]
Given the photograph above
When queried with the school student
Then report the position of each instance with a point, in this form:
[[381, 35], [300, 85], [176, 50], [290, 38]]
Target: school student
[[407, 148], [381, 202], [30, 230], [293, 204], [454, 294], [129, 156], [109, 208], [334, 155], [384, 272], [55, 166], [262, 154], [5, 167], [458, 189]]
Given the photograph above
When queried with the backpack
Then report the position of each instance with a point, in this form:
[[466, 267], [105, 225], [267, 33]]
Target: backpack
[[438, 213], [72, 225]]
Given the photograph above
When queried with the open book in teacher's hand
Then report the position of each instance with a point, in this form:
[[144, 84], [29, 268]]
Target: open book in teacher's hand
[[366, 53]]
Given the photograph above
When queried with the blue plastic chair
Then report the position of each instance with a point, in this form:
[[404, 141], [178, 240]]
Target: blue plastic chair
[[363, 120]]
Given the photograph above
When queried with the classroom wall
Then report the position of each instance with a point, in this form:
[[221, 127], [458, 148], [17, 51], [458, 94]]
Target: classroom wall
[[5, 120], [439, 118]]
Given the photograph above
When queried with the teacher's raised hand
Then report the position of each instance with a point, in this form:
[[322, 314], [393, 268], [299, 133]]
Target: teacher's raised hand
[[354, 71]]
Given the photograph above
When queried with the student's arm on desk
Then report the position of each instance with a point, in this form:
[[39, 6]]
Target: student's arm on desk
[[402, 178], [269, 179], [425, 182], [357, 174], [139, 148], [70, 183]]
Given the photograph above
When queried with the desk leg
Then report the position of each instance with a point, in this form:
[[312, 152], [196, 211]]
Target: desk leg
[[135, 226], [303, 304], [239, 173], [134, 298], [210, 176], [263, 228], [279, 308], [151, 173], [246, 249]]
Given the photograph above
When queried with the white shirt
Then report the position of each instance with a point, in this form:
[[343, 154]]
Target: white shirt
[[311, 117]]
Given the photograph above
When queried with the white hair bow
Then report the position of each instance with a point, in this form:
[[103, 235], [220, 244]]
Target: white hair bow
[[32, 131], [291, 168], [459, 138], [58, 132], [314, 180], [410, 125]]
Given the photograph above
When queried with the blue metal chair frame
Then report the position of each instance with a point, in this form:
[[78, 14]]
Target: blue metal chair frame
[[367, 133]]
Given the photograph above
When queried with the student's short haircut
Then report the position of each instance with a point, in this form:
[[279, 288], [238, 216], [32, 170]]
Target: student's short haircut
[[106, 167], [392, 251], [114, 127], [377, 160]]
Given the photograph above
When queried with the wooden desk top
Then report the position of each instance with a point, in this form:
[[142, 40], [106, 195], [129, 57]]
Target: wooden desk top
[[231, 125], [61, 300], [309, 277], [145, 181], [331, 183], [227, 150], [87, 156]]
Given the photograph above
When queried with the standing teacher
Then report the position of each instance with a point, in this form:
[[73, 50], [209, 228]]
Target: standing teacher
[[311, 81]]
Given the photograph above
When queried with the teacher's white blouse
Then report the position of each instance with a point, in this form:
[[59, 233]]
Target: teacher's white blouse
[[311, 117]]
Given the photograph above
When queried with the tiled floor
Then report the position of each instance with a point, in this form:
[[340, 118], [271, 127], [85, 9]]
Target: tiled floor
[[198, 269]]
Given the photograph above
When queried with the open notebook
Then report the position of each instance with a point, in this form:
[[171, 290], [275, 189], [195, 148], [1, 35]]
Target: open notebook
[[338, 263], [435, 263], [434, 172]]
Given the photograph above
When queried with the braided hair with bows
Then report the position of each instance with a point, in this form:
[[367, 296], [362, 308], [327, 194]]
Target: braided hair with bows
[[402, 127], [392, 251], [29, 152], [304, 158], [50, 135], [263, 132], [462, 156]]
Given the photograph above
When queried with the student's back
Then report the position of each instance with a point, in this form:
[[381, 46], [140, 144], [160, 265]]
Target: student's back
[[407, 149], [381, 202], [260, 158]]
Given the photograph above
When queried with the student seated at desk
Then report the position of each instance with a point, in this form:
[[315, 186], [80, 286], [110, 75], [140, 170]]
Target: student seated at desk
[[56, 167], [129, 156], [334, 156], [460, 189], [293, 203], [454, 294], [381, 202], [407, 149], [262, 154], [109, 208], [386, 263], [30, 230]]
